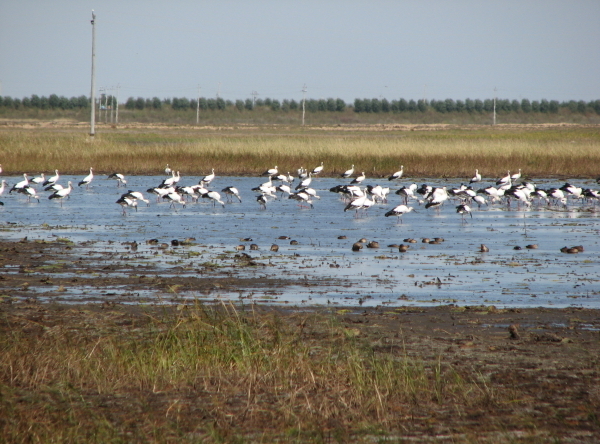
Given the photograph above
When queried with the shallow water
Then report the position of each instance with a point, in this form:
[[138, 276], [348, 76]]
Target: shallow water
[[451, 272]]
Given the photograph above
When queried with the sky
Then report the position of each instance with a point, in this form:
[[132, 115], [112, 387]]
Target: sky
[[411, 49]]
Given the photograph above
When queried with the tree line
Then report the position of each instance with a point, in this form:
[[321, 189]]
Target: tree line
[[366, 105]]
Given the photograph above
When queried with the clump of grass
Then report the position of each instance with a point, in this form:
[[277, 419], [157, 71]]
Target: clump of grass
[[213, 373]]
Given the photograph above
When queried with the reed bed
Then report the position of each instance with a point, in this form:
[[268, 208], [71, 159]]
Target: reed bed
[[540, 151], [211, 374]]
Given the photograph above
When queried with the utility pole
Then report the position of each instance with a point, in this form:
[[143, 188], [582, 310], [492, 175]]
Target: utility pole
[[303, 102], [219, 91], [254, 94], [112, 103], [93, 92], [117, 111], [494, 123], [198, 107], [105, 105]]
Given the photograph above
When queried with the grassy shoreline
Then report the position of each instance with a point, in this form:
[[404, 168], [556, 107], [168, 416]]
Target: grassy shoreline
[[228, 373], [424, 150]]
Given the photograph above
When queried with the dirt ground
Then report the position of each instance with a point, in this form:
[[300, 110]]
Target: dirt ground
[[550, 356]]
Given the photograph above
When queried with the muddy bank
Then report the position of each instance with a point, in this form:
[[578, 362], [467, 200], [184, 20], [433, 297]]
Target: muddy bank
[[537, 368]]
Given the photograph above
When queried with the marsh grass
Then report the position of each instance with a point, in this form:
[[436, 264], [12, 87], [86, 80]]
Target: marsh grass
[[540, 151], [216, 374]]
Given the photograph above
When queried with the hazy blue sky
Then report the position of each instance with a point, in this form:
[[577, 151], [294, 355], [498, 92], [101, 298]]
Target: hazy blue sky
[[349, 49]]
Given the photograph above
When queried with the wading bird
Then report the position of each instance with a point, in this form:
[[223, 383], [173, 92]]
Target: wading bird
[[476, 177], [399, 211], [61, 194], [19, 185], [125, 202], [348, 173], [398, 174], [87, 179], [230, 192], [52, 180], [316, 170], [463, 209], [271, 172]]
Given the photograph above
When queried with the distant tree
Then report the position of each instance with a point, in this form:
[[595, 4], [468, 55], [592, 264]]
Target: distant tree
[[553, 106], [267, 102], [239, 104], [16, 103], [359, 106], [367, 105], [422, 105], [212, 104], [156, 103], [53, 101], [402, 105], [330, 104], [469, 105], [44, 102], [63, 103], [596, 106], [503, 105], [285, 105], [572, 106], [84, 101], [294, 105], [412, 106], [581, 107], [203, 103], [275, 105], [312, 105], [248, 104], [385, 106], [544, 106], [515, 106], [460, 106], [140, 103], [26, 102], [221, 104], [35, 101], [488, 105], [178, 103], [526, 106], [8, 101], [130, 103], [340, 105], [375, 105], [259, 103], [439, 106], [535, 106]]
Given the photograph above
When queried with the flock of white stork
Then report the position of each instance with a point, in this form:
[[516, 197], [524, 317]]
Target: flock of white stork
[[356, 197]]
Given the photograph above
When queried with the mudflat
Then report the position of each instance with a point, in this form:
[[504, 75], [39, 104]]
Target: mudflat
[[490, 374]]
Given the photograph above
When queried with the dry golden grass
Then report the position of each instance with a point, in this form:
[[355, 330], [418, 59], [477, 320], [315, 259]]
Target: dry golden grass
[[425, 151]]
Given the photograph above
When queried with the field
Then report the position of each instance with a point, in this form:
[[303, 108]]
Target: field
[[238, 372], [425, 150]]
